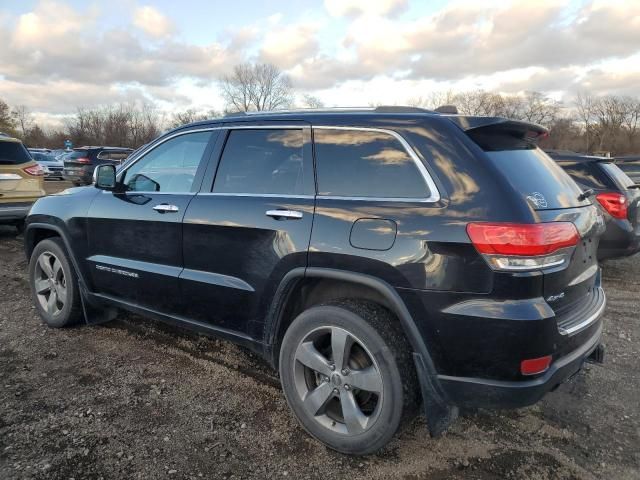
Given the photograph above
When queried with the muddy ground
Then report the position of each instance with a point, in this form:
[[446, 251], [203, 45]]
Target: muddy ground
[[136, 399]]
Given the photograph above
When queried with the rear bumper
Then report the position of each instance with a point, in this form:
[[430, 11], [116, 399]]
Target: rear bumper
[[84, 176], [14, 211], [620, 240], [481, 393]]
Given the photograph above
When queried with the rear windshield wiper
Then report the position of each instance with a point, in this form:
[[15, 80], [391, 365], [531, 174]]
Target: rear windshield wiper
[[586, 194]]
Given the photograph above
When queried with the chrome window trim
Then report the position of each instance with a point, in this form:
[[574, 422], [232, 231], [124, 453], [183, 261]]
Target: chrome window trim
[[426, 176], [261, 195]]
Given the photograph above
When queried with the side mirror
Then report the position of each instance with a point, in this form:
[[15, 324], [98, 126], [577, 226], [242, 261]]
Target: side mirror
[[104, 177]]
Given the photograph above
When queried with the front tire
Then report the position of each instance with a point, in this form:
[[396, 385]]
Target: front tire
[[347, 374], [54, 284]]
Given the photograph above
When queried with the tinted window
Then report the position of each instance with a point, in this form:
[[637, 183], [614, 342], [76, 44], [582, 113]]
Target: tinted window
[[538, 178], [586, 175], [77, 154], [170, 167], [12, 153], [358, 163], [116, 156], [618, 176], [267, 161]]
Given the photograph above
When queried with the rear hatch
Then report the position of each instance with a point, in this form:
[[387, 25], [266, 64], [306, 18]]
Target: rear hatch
[[20, 176], [76, 161], [553, 197]]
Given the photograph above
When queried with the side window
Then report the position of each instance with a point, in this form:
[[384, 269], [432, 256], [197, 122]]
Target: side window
[[170, 167], [359, 163], [267, 161]]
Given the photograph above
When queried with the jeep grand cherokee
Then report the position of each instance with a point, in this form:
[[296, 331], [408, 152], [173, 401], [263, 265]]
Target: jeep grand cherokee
[[378, 258]]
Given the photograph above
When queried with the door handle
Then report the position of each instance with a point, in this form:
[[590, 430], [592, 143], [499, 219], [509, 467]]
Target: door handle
[[165, 208], [286, 214]]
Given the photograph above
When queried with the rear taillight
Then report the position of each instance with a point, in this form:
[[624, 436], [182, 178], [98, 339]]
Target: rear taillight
[[35, 170], [82, 160], [519, 247], [615, 204], [534, 366]]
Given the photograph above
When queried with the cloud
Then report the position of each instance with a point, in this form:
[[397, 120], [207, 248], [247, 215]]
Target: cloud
[[290, 45], [469, 38], [353, 8], [348, 52], [152, 22]]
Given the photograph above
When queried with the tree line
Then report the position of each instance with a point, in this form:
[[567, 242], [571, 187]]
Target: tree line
[[588, 123]]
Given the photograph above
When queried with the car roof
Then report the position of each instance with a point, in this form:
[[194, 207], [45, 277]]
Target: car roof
[[366, 115]]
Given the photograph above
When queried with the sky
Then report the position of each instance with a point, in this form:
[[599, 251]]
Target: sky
[[59, 55]]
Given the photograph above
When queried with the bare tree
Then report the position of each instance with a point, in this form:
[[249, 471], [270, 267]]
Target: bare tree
[[7, 122], [433, 99], [191, 115], [585, 106], [23, 119], [125, 125], [311, 101], [260, 86]]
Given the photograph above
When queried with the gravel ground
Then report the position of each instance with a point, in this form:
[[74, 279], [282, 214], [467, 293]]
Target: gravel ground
[[136, 399]]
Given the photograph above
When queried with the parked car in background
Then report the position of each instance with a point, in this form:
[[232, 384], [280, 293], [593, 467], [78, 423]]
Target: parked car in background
[[52, 166], [21, 181], [616, 193], [630, 164], [80, 162], [379, 258]]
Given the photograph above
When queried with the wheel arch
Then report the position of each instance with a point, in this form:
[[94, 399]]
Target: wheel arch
[[439, 411]]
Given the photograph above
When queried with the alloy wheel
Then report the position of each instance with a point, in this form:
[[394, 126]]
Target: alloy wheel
[[50, 283], [338, 380]]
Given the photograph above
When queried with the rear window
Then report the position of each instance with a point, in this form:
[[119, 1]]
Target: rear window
[[587, 175], [13, 153], [617, 175], [77, 154], [538, 178]]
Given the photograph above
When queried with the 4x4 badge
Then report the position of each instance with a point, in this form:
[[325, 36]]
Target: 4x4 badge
[[537, 199], [553, 298]]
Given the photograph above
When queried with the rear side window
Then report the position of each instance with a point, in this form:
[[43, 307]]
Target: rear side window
[[538, 178], [361, 163], [617, 175], [259, 162], [13, 153], [586, 175]]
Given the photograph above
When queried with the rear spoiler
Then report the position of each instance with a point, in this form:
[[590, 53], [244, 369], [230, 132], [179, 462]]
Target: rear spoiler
[[468, 123], [498, 133]]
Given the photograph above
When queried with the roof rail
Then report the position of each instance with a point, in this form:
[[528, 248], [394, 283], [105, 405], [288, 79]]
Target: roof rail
[[379, 109], [400, 109]]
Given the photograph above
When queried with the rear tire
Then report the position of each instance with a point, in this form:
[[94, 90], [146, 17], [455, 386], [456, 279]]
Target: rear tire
[[54, 284], [353, 406]]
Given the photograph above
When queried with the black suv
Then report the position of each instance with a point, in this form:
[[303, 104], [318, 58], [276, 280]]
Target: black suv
[[617, 195], [630, 165], [80, 163], [375, 257]]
